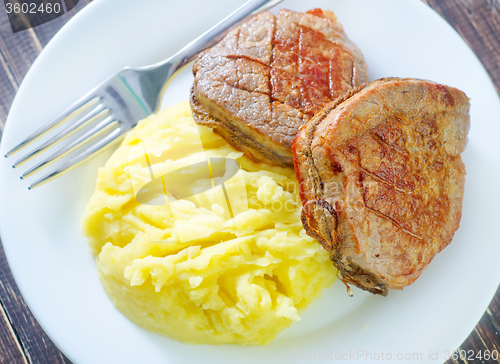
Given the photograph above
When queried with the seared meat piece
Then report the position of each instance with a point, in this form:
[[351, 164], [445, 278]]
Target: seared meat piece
[[264, 80], [382, 179]]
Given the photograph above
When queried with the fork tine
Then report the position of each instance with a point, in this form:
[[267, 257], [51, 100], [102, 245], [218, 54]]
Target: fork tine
[[100, 146], [94, 114], [91, 134], [81, 105]]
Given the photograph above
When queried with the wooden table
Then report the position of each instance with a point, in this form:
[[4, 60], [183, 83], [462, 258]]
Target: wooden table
[[21, 338]]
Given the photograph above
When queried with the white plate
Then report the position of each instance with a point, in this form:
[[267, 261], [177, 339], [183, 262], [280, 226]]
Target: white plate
[[54, 269]]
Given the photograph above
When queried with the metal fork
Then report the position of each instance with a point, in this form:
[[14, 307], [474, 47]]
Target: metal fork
[[117, 104]]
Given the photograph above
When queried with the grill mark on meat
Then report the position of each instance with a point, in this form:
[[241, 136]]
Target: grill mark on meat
[[394, 222], [423, 133], [400, 163], [313, 69], [270, 84], [391, 147], [302, 58], [238, 87], [247, 58], [359, 122], [279, 58], [374, 176]]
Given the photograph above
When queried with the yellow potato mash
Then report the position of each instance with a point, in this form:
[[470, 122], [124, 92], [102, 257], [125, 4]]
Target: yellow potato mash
[[229, 263]]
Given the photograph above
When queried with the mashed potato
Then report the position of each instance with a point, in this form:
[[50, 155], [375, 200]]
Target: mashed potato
[[188, 269]]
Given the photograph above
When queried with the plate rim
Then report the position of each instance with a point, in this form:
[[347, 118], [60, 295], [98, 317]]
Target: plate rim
[[73, 23]]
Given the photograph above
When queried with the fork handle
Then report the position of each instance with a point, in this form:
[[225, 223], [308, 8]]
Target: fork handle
[[215, 34]]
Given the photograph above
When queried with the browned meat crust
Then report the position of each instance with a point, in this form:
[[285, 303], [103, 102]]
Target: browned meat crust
[[264, 80], [382, 180]]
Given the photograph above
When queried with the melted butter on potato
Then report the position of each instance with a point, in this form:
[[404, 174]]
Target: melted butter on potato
[[187, 269]]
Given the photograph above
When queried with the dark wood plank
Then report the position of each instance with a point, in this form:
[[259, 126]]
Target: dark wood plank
[[8, 89], [45, 32], [10, 348], [22, 338], [478, 22], [19, 50], [484, 338], [34, 343]]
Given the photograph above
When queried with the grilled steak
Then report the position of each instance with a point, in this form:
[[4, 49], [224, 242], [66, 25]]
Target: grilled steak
[[264, 80], [382, 179]]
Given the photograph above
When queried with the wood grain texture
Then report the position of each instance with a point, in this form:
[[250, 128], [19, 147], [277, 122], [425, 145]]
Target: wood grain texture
[[21, 338], [19, 50], [478, 22], [10, 346], [485, 337]]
